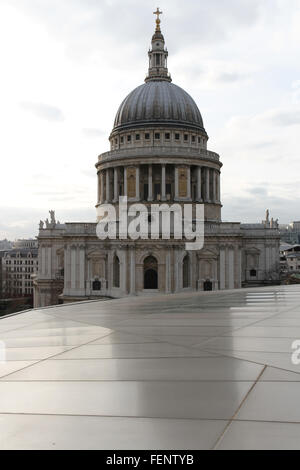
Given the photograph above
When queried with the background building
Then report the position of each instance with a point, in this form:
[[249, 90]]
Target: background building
[[158, 154], [290, 234], [290, 258], [18, 266]]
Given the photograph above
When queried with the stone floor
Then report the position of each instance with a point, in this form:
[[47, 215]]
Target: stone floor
[[189, 371]]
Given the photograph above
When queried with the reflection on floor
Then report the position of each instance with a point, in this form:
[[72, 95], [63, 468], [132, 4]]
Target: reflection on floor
[[188, 371]]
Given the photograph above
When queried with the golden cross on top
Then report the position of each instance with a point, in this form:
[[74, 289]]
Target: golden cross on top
[[157, 13]]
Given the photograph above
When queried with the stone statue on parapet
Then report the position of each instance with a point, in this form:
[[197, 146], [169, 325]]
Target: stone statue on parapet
[[267, 216], [52, 217], [41, 225]]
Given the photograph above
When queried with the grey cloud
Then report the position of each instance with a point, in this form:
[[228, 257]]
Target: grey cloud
[[115, 20], [258, 191], [16, 222], [91, 173], [231, 77], [288, 118], [252, 209], [93, 132], [43, 111], [260, 145]]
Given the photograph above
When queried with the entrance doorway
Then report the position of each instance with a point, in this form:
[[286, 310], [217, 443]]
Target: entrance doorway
[[150, 273], [208, 286]]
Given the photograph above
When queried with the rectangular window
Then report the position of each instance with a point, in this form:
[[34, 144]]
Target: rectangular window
[[186, 137], [147, 136], [129, 138], [177, 136], [157, 136], [193, 139], [167, 136], [199, 140], [122, 140], [137, 137]]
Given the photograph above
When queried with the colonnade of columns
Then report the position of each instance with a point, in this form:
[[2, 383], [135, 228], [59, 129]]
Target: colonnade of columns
[[201, 183]]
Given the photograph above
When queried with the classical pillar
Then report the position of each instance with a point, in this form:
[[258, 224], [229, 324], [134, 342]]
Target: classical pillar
[[231, 268], [107, 185], [207, 188], [176, 271], [176, 183], [168, 273], [214, 186], [150, 183], [163, 182], [188, 193], [116, 185], [99, 189], [199, 184], [219, 187], [102, 186], [73, 267], [238, 267], [137, 183], [132, 271], [81, 268], [125, 181], [222, 268]]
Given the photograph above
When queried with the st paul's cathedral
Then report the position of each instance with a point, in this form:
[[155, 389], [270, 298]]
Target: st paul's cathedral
[[158, 155]]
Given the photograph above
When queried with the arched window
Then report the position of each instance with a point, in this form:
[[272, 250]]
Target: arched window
[[253, 273], [116, 272], [150, 273], [186, 272]]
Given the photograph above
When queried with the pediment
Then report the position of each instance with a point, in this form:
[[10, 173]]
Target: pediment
[[96, 254], [252, 251], [207, 253]]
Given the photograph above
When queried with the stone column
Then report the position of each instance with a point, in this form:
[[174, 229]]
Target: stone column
[[42, 268], [73, 267], [176, 183], [150, 183], [219, 187], [102, 186], [214, 186], [199, 184], [107, 185], [168, 272], [222, 268], [132, 271], [116, 185], [231, 268], [81, 269], [125, 181], [207, 186], [188, 193], [137, 183], [99, 188], [163, 182]]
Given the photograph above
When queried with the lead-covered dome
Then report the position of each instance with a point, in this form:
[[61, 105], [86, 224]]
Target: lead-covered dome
[[155, 103]]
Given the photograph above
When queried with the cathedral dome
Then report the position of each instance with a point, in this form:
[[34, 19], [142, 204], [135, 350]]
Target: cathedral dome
[[158, 102]]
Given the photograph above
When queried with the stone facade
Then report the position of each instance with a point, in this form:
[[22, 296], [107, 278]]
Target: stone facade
[[158, 154]]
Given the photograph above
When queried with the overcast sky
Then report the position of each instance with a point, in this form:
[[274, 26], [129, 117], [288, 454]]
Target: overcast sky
[[66, 65]]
